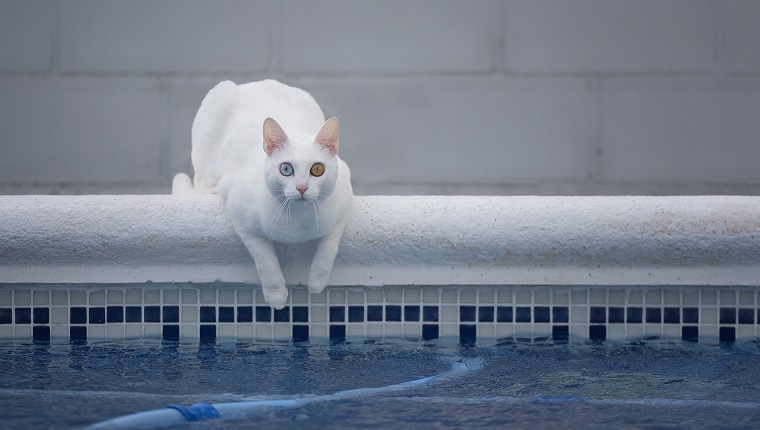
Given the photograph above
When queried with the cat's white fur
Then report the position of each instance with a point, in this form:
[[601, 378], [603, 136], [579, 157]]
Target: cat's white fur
[[241, 136]]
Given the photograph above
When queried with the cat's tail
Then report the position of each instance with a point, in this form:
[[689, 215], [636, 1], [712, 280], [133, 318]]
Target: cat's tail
[[182, 185], [209, 127]]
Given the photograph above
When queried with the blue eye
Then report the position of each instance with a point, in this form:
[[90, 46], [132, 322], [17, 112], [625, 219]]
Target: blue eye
[[286, 169]]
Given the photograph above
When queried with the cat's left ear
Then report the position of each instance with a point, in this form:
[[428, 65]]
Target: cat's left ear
[[328, 136]]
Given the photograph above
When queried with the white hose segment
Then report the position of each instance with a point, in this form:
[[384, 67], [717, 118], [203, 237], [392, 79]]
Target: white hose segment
[[392, 240], [176, 415]]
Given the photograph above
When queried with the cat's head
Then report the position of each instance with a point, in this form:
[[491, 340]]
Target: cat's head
[[301, 167]]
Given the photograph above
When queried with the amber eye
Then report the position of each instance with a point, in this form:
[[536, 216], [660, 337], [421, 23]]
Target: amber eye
[[317, 169]]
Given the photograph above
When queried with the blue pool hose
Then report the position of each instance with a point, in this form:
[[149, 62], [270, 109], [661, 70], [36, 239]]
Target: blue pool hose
[[174, 415]]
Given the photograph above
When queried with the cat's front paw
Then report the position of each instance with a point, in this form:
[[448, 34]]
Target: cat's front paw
[[317, 281], [276, 297]]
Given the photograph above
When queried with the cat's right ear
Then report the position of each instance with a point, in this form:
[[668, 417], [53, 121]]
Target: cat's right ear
[[274, 136]]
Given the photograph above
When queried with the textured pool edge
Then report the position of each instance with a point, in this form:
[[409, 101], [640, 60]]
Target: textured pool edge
[[393, 240], [95, 249]]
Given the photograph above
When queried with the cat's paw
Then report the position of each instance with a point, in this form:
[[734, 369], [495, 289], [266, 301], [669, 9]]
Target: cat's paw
[[317, 281], [276, 297]]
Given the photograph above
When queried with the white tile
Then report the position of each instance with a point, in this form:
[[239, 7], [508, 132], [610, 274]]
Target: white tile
[[465, 130], [170, 296], [245, 296], [208, 296], [82, 130], [6, 298], [189, 296], [742, 38], [226, 296], [41, 297], [22, 298], [396, 36], [167, 36], [78, 297], [561, 36], [680, 130], [97, 298], [115, 297], [27, 30], [152, 297]]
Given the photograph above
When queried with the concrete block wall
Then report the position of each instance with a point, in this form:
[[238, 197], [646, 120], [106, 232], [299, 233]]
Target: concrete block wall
[[434, 96]]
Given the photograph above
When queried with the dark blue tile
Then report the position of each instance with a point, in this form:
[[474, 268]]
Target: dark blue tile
[[468, 333], [170, 332], [430, 331], [337, 332], [282, 315], [41, 315], [356, 314], [634, 315], [300, 333], [560, 333], [560, 314], [41, 333], [152, 314], [597, 332], [337, 314], [690, 334], [97, 315], [115, 314], [23, 315], [208, 314], [226, 314], [300, 314], [374, 313], [208, 333], [78, 333], [133, 314], [522, 314], [654, 315], [504, 314], [690, 315], [6, 315], [541, 314], [245, 314], [263, 314], [392, 313], [597, 315], [486, 313], [672, 315], [467, 313], [616, 315], [727, 334], [170, 314], [78, 316], [430, 314], [728, 315], [746, 316], [411, 313]]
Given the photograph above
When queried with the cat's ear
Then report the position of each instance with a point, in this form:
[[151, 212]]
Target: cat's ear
[[274, 136], [328, 136]]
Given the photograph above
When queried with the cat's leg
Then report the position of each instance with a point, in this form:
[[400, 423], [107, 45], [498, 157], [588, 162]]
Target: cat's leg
[[268, 266], [182, 184], [324, 257]]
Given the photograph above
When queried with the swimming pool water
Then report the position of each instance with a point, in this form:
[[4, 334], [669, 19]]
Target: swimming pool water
[[594, 385]]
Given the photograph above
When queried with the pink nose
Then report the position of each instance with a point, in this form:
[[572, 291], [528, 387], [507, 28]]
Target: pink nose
[[302, 188]]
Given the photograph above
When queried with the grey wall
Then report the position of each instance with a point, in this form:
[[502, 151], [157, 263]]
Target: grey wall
[[434, 96]]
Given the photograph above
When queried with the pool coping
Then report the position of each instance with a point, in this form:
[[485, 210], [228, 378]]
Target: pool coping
[[394, 240]]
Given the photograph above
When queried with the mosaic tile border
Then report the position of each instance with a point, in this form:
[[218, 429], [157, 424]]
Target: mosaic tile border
[[464, 314]]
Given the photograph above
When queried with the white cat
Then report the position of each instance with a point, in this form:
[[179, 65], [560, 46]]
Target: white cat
[[282, 180]]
